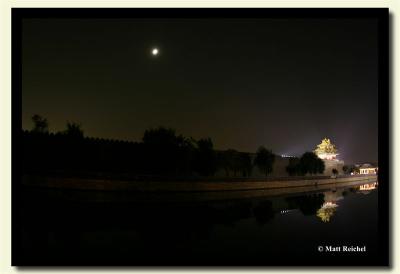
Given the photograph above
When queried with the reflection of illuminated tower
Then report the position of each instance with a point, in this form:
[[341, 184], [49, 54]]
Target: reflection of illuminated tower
[[327, 210], [326, 150], [329, 207]]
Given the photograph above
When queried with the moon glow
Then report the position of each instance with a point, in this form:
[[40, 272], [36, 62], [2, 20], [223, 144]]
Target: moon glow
[[154, 51]]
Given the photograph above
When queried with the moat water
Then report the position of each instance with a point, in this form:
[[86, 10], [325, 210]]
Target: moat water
[[331, 226]]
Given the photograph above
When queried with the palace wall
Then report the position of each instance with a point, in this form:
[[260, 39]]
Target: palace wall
[[279, 168], [331, 164]]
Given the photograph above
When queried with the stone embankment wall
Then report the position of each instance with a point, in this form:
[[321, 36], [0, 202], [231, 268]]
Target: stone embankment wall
[[244, 184]]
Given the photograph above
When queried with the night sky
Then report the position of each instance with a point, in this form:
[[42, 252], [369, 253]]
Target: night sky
[[281, 83]]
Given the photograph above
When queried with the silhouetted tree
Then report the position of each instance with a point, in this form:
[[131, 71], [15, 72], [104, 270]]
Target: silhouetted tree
[[234, 162], [246, 164], [186, 155], [162, 149], [74, 130], [311, 163], [206, 163], [226, 161], [40, 124], [160, 136], [293, 168], [348, 169], [320, 166], [264, 160], [308, 163]]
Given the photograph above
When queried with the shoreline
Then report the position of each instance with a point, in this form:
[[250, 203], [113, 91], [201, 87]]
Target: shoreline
[[182, 186]]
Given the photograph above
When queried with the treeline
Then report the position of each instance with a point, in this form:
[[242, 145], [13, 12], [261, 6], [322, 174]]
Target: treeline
[[308, 163], [161, 152]]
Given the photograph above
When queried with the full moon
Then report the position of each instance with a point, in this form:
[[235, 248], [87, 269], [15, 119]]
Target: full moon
[[154, 51]]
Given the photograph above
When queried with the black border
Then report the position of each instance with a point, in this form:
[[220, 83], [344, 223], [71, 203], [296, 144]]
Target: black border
[[381, 14]]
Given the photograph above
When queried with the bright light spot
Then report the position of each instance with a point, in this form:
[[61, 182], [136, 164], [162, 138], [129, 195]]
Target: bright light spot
[[287, 156], [154, 51]]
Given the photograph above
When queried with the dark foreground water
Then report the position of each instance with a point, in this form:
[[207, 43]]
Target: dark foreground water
[[312, 228]]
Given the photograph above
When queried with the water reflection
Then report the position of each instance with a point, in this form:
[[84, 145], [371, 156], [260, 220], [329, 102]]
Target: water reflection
[[331, 198], [366, 188], [326, 212], [264, 212], [58, 230], [307, 204], [329, 207]]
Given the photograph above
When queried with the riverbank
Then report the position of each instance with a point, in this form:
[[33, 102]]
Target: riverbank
[[74, 195], [182, 186]]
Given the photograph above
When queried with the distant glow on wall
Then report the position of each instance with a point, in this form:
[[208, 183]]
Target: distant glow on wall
[[287, 156]]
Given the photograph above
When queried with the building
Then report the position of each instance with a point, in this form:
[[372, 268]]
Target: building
[[328, 152], [368, 169]]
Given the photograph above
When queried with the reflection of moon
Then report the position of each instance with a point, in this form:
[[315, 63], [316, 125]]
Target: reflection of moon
[[154, 51]]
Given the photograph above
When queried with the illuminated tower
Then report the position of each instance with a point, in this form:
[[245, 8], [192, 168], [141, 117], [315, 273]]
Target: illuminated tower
[[326, 150]]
